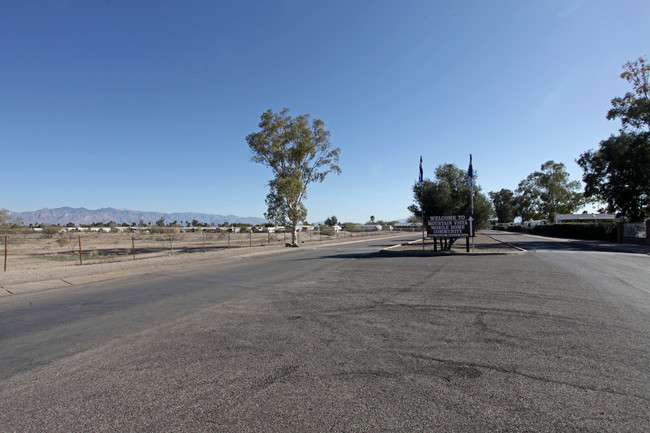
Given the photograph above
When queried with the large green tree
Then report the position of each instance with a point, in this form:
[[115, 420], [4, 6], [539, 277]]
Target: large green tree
[[504, 204], [298, 152], [450, 194], [548, 192], [618, 172]]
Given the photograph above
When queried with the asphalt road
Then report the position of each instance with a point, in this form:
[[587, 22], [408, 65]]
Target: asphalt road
[[340, 339]]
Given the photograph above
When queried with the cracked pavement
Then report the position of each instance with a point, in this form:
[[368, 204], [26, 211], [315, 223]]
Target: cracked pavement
[[349, 340]]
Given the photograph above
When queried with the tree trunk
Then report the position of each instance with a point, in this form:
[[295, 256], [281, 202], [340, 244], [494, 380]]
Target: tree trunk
[[294, 236]]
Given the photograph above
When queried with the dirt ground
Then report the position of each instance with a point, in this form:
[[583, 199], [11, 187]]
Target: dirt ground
[[37, 257]]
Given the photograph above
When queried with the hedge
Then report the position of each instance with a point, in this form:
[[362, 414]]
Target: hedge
[[592, 231]]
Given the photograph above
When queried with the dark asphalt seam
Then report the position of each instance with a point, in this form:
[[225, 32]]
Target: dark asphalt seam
[[8, 291], [528, 376], [458, 309]]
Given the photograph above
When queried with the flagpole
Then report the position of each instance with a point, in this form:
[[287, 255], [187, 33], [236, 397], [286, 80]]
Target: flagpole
[[470, 178], [472, 200], [422, 200]]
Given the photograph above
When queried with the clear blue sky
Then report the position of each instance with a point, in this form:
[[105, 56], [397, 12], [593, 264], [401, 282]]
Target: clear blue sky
[[145, 105]]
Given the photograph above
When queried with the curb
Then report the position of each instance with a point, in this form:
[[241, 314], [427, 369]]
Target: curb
[[506, 243], [417, 241]]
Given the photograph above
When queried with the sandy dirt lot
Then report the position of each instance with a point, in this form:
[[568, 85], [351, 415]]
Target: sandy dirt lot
[[37, 257]]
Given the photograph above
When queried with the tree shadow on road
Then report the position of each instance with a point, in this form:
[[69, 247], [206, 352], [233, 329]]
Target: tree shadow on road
[[577, 245]]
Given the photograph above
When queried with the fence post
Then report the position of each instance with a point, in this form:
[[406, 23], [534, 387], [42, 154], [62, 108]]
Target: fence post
[[647, 232], [250, 237], [81, 262], [228, 239], [133, 245], [203, 236], [5, 253], [620, 232]]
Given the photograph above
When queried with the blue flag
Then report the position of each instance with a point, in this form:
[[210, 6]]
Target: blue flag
[[421, 169], [470, 172]]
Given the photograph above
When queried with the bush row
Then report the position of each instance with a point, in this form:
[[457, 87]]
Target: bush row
[[592, 231]]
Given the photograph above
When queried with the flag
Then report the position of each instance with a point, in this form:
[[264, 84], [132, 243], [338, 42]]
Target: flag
[[421, 169], [470, 172]]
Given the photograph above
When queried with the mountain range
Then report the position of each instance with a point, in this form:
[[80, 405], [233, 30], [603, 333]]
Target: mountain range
[[83, 216]]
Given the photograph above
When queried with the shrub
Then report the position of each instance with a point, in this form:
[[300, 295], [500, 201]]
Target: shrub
[[592, 231]]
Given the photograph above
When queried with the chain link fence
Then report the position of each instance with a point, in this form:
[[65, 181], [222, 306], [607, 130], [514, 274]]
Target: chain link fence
[[634, 230], [30, 250]]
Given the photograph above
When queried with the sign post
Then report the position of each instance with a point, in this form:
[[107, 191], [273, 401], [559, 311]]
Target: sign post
[[451, 226]]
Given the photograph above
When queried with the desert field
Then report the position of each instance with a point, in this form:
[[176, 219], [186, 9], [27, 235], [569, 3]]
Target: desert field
[[37, 251]]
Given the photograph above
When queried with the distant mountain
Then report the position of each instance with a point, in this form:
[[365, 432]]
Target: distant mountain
[[81, 216]]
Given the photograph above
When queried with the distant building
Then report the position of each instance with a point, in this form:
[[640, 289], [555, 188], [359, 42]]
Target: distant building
[[534, 223], [370, 227], [410, 227], [275, 229], [584, 218]]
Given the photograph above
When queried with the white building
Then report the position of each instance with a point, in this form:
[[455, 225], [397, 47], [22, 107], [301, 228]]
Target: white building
[[585, 217], [370, 227]]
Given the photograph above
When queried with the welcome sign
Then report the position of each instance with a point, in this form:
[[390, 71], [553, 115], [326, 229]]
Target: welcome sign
[[450, 226]]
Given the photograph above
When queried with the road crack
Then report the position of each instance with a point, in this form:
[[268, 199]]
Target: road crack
[[514, 371]]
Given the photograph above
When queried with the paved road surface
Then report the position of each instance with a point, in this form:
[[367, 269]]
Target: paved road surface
[[339, 339]]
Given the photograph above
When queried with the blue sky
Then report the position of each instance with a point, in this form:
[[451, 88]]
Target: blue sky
[[145, 105]]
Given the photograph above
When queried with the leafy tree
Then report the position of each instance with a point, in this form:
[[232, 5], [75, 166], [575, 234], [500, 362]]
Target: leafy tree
[[449, 194], [386, 223], [548, 192], [50, 230], [372, 219], [528, 200], [634, 108], [331, 221], [161, 222], [618, 173], [298, 153], [504, 204]]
